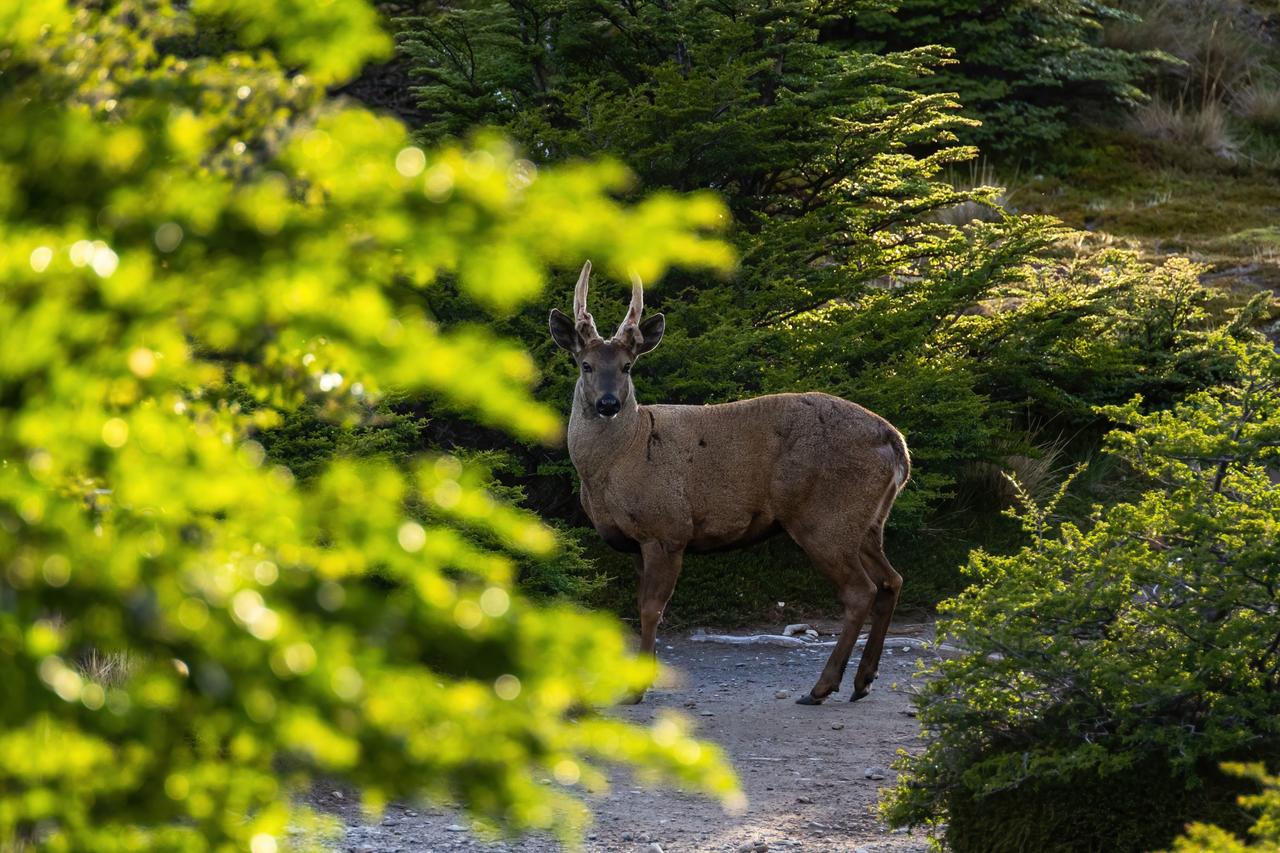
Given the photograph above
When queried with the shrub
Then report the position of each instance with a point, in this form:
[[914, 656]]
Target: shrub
[[1024, 69], [197, 243], [1107, 668], [1202, 838]]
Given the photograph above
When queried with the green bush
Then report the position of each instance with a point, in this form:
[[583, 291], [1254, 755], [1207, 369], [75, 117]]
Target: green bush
[[1202, 838], [197, 244], [1130, 654], [1024, 68]]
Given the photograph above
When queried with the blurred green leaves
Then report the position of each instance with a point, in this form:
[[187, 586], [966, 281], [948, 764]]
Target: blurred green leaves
[[183, 222]]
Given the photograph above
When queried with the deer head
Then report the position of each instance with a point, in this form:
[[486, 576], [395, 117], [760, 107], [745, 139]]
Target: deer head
[[605, 366]]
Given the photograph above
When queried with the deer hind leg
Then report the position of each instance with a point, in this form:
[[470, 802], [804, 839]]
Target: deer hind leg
[[888, 585], [856, 592], [659, 568]]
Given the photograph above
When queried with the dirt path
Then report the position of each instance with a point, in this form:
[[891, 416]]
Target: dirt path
[[805, 769]]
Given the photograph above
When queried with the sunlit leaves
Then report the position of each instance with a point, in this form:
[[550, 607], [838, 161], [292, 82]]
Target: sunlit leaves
[[332, 41], [1143, 641], [192, 247]]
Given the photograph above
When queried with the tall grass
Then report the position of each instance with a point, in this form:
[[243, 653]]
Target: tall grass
[[1205, 127]]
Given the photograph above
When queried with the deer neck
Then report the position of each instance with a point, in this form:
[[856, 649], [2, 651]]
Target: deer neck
[[596, 444]]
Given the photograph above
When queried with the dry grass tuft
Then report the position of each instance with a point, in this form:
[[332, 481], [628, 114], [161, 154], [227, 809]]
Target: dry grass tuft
[[980, 175], [1205, 128], [1258, 103], [110, 669], [1038, 472]]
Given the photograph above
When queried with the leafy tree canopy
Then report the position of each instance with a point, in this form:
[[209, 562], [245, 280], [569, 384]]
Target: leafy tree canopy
[[195, 242]]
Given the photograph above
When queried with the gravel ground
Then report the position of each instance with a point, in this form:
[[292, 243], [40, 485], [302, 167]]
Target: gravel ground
[[808, 771]]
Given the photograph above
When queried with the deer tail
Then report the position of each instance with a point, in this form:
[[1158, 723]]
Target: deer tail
[[901, 457]]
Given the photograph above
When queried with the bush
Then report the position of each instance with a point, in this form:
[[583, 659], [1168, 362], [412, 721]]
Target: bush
[[196, 245], [1024, 69], [1129, 655], [1202, 838]]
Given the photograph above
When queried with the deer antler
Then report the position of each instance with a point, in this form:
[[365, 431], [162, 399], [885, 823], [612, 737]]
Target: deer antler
[[582, 319], [629, 331]]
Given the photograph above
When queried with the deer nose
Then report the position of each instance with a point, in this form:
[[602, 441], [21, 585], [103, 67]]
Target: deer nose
[[608, 405]]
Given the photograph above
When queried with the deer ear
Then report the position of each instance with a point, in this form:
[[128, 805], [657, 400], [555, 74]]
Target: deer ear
[[563, 331], [651, 330]]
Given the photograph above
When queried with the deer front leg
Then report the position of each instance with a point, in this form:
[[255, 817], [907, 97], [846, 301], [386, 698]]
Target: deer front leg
[[661, 568]]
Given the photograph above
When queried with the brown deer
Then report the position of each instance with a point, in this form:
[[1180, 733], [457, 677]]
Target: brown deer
[[660, 480]]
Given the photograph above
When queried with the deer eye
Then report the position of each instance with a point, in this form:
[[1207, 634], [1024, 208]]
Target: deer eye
[[586, 368], [626, 368]]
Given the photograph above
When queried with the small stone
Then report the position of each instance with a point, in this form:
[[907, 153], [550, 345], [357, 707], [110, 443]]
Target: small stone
[[655, 847], [753, 847], [904, 649], [338, 795], [837, 726], [740, 663], [456, 827], [781, 694], [875, 773], [705, 714], [806, 800], [626, 836], [410, 813]]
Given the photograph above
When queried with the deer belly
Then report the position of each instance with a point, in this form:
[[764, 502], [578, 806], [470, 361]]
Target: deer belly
[[724, 537], [617, 540]]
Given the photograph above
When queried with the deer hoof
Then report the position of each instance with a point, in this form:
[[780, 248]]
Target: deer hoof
[[859, 693], [808, 699]]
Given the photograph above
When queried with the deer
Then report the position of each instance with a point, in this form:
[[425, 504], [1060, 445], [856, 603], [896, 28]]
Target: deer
[[662, 480]]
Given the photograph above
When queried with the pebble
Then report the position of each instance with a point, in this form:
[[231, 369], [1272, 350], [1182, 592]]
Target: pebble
[[706, 714], [837, 726], [805, 800], [456, 827], [875, 773], [753, 847], [337, 795], [655, 847], [781, 694], [410, 813]]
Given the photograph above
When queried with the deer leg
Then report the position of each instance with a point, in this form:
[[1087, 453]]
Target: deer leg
[[881, 614], [888, 585], [659, 568], [657, 582], [856, 592]]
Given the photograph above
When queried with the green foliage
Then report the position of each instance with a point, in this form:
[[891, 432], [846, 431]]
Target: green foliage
[[308, 439], [195, 247], [1133, 653], [1202, 838], [1024, 68]]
